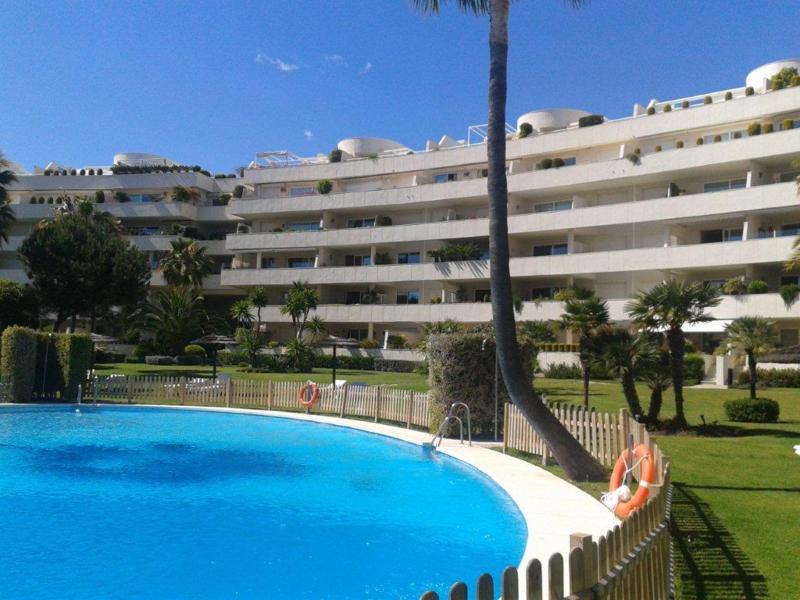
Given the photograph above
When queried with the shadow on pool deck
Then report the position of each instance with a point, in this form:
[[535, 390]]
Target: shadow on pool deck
[[709, 563]]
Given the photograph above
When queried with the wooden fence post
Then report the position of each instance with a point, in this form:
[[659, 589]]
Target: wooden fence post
[[586, 575], [510, 584], [458, 591], [485, 587], [182, 390], [129, 383], [533, 579], [378, 403], [555, 577], [506, 418], [269, 395], [343, 410], [429, 596], [228, 391], [411, 401]]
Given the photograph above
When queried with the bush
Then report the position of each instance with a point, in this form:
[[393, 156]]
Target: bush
[[760, 410], [546, 163], [563, 371], [757, 286], [18, 362], [238, 191], [787, 124], [734, 286], [754, 129], [105, 357], [590, 120], [668, 108], [188, 359], [684, 104], [133, 360], [788, 378], [195, 350], [397, 366], [707, 100], [651, 110], [558, 163], [694, 369], [699, 141], [324, 186], [229, 358], [767, 128], [658, 148], [462, 369], [335, 155], [359, 363], [749, 91], [728, 95], [717, 139], [525, 129], [69, 358], [272, 344], [156, 359], [368, 344], [679, 144], [795, 81]]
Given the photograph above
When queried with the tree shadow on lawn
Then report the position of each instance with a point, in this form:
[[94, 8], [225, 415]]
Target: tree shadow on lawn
[[719, 431], [709, 563]]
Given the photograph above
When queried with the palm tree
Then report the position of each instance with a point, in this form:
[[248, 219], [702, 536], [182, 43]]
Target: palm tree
[[7, 217], [186, 264], [258, 298], [754, 336], [583, 314], [241, 312], [570, 454], [667, 306], [658, 377], [176, 316], [301, 300], [316, 327]]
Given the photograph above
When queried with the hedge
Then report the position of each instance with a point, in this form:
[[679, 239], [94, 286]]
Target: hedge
[[361, 363], [18, 362], [694, 369], [788, 378], [745, 410], [69, 359], [397, 366], [462, 368], [563, 371]]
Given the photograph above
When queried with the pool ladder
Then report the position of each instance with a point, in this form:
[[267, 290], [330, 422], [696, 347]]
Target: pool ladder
[[452, 416]]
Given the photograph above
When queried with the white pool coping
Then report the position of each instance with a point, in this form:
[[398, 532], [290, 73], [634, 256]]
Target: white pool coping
[[553, 509]]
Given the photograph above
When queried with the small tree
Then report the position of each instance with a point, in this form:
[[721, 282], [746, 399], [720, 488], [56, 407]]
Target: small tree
[[754, 336], [251, 342], [241, 312], [258, 298], [658, 377], [18, 305], [300, 301]]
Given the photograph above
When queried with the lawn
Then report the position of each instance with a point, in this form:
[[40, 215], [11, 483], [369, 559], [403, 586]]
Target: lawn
[[737, 494]]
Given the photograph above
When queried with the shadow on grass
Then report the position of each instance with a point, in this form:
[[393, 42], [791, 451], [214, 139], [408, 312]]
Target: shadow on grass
[[717, 430], [709, 563]]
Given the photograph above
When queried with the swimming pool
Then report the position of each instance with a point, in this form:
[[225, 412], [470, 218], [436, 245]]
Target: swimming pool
[[133, 502]]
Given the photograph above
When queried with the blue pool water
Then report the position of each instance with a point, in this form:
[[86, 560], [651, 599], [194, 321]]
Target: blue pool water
[[145, 503]]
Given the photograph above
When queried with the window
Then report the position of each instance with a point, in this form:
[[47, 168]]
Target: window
[[792, 229], [720, 186], [408, 258], [788, 177], [552, 206], [304, 226], [301, 191], [550, 250], [713, 236], [444, 177], [542, 293], [790, 279], [301, 263], [408, 297], [357, 334], [267, 262], [483, 295], [352, 298], [569, 161], [359, 223], [351, 260]]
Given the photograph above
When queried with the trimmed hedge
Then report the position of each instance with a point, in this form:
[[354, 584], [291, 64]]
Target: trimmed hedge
[[788, 378], [590, 120], [18, 362], [397, 366], [760, 410], [159, 360], [694, 369], [461, 368], [359, 363], [195, 350], [563, 371], [73, 355]]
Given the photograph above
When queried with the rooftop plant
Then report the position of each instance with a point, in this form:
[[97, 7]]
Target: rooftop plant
[[590, 120], [324, 186], [525, 129], [782, 78], [754, 129]]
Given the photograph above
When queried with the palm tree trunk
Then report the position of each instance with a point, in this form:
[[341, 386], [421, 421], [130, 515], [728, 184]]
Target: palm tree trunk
[[751, 365], [676, 351], [656, 399], [631, 395], [574, 458], [585, 373]]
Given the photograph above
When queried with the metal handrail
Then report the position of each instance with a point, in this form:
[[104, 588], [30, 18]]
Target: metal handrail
[[451, 416]]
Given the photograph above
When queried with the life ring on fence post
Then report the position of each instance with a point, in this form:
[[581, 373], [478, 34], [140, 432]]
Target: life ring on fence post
[[642, 455], [301, 395]]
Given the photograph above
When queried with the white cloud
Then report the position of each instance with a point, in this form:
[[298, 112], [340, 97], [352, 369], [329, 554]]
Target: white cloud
[[367, 68], [284, 67], [335, 59], [308, 134]]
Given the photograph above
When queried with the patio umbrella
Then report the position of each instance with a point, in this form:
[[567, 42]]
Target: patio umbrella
[[214, 341]]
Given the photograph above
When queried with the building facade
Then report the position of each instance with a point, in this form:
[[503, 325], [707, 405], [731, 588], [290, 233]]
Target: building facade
[[701, 188]]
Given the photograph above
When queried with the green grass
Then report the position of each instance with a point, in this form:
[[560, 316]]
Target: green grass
[[736, 498], [410, 381], [737, 495]]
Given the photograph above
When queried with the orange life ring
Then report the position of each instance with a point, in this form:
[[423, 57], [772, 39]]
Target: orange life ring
[[643, 456], [301, 396]]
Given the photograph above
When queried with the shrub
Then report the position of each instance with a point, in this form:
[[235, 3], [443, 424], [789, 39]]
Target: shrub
[[734, 286], [787, 124], [238, 191], [103, 356], [757, 286], [717, 139], [195, 350], [767, 128], [156, 359], [590, 120], [749, 91], [397, 366], [694, 369], [679, 144], [228, 358], [462, 369], [699, 141], [335, 155], [754, 129], [99, 197], [546, 163], [324, 186], [272, 344], [795, 81], [563, 371], [18, 362], [658, 148], [368, 344], [737, 135], [525, 129], [684, 104], [69, 359], [668, 108], [189, 359], [396, 342], [361, 363], [728, 95], [383, 221], [760, 410], [707, 100], [558, 163], [651, 110]]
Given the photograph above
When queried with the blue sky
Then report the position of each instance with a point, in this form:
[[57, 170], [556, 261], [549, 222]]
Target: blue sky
[[211, 83]]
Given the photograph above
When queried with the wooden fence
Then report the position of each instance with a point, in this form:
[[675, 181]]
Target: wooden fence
[[378, 403], [630, 562]]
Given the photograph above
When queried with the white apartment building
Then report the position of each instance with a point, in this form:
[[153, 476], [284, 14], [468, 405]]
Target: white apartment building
[[682, 188]]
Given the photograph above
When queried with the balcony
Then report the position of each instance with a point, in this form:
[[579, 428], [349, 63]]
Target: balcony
[[163, 243]]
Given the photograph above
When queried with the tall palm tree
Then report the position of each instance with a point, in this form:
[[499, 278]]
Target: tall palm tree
[[258, 298], [574, 458], [186, 264], [583, 314], [667, 307], [754, 336], [301, 300], [7, 217]]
